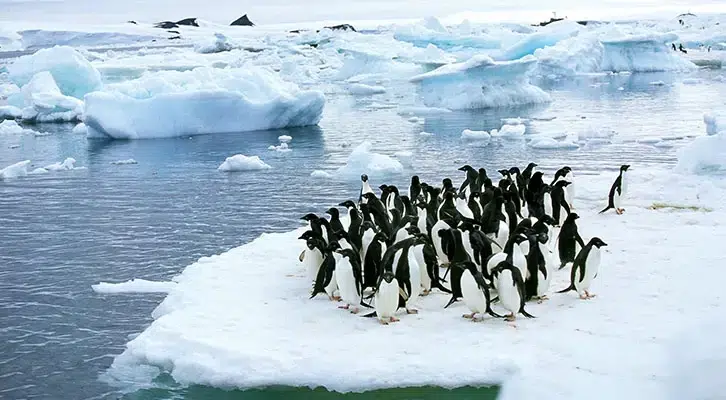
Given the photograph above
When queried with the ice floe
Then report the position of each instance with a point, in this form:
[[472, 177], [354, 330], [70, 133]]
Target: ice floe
[[475, 135], [360, 89], [363, 160], [128, 161], [15, 170], [706, 154], [134, 286], [240, 162]]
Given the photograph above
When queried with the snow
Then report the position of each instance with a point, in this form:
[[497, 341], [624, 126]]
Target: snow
[[44, 102], [15, 170], [80, 129], [219, 44], [547, 36], [510, 131], [569, 349], [706, 154], [10, 127], [134, 286], [203, 100], [360, 89], [475, 135], [125, 162], [422, 133], [10, 112], [282, 148], [480, 82], [548, 143], [362, 160], [284, 138], [240, 162], [73, 73], [713, 124]]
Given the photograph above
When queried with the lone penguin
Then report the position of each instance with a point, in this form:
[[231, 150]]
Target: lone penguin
[[618, 191]]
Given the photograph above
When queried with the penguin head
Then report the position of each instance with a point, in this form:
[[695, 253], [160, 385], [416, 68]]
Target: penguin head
[[388, 276], [447, 183], [333, 212], [504, 172], [312, 243], [347, 253], [475, 195], [562, 183], [624, 168], [381, 236], [347, 204], [572, 216], [367, 225], [504, 184], [393, 189], [597, 242], [412, 230], [307, 235], [369, 196], [309, 217], [364, 178], [543, 237], [420, 204], [532, 166], [488, 183], [482, 172], [384, 188], [415, 180], [537, 176], [567, 168], [514, 170], [332, 246], [466, 168]]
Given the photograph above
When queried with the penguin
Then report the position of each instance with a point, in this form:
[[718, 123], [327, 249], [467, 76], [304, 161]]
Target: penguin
[[325, 281], [462, 207], [402, 261], [618, 191], [447, 209], [585, 268], [315, 226], [475, 291], [480, 178], [365, 188], [429, 266], [422, 223], [447, 186], [408, 208], [527, 175], [510, 286], [558, 201], [394, 201], [386, 297], [474, 205], [414, 190], [512, 253], [565, 173], [372, 261], [367, 233], [348, 276], [453, 239], [538, 281], [469, 183], [437, 240], [378, 212], [312, 256], [568, 238], [354, 227], [335, 223]]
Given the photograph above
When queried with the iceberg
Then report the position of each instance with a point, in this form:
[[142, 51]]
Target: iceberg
[[362, 160], [240, 162], [16, 170], [219, 44], [546, 36], [643, 53], [44, 102], [480, 82], [204, 100], [431, 31], [10, 112], [73, 73]]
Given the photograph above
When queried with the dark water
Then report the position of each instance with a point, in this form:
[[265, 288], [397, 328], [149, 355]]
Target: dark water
[[64, 231]]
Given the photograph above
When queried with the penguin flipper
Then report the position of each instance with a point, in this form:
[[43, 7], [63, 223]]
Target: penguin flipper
[[451, 301], [571, 287], [364, 304], [526, 314], [302, 256], [371, 315]]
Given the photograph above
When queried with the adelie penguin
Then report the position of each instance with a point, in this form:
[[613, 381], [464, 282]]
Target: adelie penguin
[[335, 223], [348, 275], [510, 286], [365, 188], [618, 191], [475, 291], [585, 268], [568, 239]]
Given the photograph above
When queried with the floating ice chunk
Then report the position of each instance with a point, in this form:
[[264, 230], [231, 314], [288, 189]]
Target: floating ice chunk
[[480, 82], [510, 131], [39, 171], [67, 165], [239, 162], [134, 286], [657, 83], [282, 148], [16, 170], [414, 120], [125, 162], [364, 161], [649, 140], [80, 129], [547, 36], [44, 101], [549, 143], [475, 135], [10, 127], [621, 88], [514, 121], [712, 123], [643, 53], [72, 72], [284, 138], [422, 133], [424, 111], [219, 44], [706, 154], [204, 100], [365, 90], [10, 112], [319, 174]]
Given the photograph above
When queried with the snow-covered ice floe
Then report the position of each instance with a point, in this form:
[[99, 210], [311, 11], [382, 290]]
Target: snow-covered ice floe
[[15, 170], [706, 154], [432, 32], [203, 100], [134, 286], [363, 160], [43, 101], [480, 82], [468, 134], [549, 143], [713, 123], [569, 349], [241, 162]]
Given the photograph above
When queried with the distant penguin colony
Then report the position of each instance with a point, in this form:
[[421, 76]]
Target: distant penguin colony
[[483, 244]]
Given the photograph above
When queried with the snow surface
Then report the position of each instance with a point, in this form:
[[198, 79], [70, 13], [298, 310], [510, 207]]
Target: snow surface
[[361, 89], [480, 82], [204, 100], [573, 346], [73, 73], [10, 112], [362, 160], [134, 286], [15, 170], [706, 155], [219, 44], [240, 162]]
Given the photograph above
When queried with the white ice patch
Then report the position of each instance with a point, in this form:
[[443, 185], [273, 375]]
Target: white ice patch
[[320, 174], [10, 112], [68, 164], [549, 143], [284, 138], [72, 72], [80, 129], [480, 82], [547, 36], [359, 89], [220, 43], [510, 132], [203, 100], [240, 162], [16, 170], [364, 161], [468, 134], [125, 162], [134, 286], [713, 125], [422, 133], [706, 154], [282, 147], [44, 102], [405, 157]]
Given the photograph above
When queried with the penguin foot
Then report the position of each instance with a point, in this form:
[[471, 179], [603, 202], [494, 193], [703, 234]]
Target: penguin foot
[[354, 310], [620, 211], [383, 321], [477, 319], [542, 298], [425, 292], [589, 295], [394, 319], [337, 298], [345, 307], [411, 311], [468, 316], [583, 297], [511, 317]]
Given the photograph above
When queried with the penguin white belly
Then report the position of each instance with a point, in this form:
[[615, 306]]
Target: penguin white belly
[[386, 299], [501, 237], [425, 279], [466, 242], [312, 261], [401, 234], [421, 224], [493, 262], [346, 282], [332, 286], [508, 292], [519, 260], [436, 239], [525, 247], [473, 296], [524, 210], [592, 263], [366, 241], [552, 233], [464, 209], [415, 271], [548, 204], [570, 194]]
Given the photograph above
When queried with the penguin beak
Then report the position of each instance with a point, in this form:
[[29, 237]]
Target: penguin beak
[[603, 244]]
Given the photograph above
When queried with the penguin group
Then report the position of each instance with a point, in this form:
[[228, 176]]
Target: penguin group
[[492, 241]]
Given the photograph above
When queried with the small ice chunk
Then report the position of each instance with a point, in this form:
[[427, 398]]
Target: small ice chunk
[[712, 123], [510, 132], [414, 120], [320, 174], [468, 134], [422, 133], [658, 83], [514, 121], [364, 161], [548, 143], [219, 44], [38, 171], [649, 140], [125, 162], [284, 139], [10, 112], [706, 154], [44, 101], [80, 129], [240, 162], [360, 89], [16, 170], [10, 127], [621, 88], [134, 286], [282, 148], [67, 165]]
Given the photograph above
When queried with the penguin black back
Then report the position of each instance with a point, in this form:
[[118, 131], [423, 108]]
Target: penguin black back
[[567, 239]]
